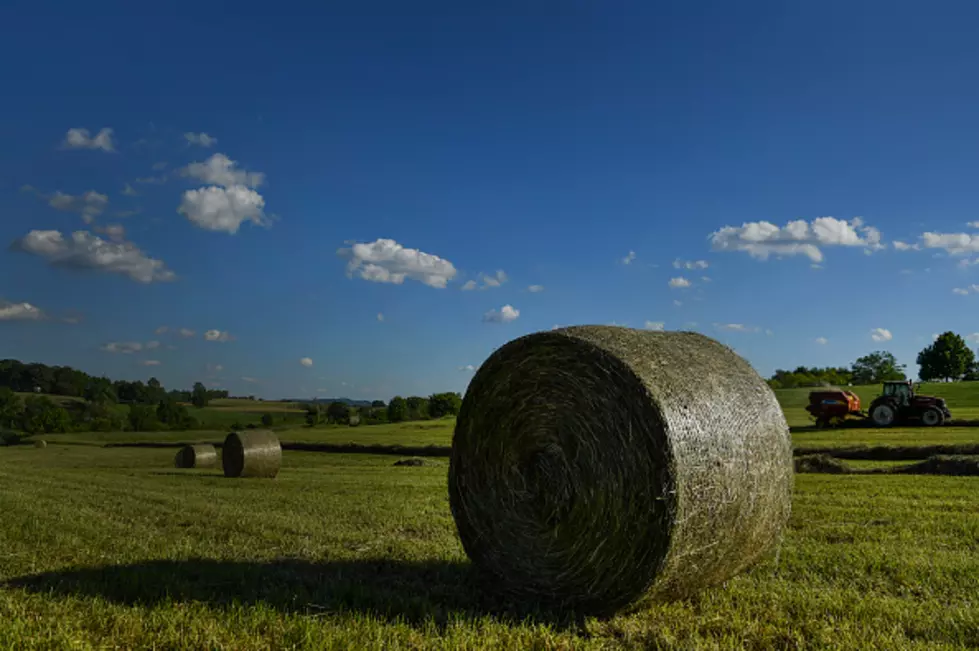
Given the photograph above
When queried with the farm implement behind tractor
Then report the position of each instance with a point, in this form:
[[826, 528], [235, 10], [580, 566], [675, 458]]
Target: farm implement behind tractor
[[896, 404]]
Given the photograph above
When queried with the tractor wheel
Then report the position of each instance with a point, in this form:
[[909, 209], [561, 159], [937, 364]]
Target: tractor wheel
[[932, 417], [883, 415]]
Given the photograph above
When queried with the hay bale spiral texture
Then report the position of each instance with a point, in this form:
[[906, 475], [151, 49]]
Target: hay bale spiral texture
[[252, 453], [596, 466], [202, 455]]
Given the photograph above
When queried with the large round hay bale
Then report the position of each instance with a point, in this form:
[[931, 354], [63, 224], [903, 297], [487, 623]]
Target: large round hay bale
[[203, 455], [40, 444], [253, 453], [593, 466]]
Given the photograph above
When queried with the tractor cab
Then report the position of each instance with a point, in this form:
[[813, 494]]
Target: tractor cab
[[902, 392]]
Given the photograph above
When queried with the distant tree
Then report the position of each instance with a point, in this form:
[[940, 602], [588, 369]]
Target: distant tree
[[417, 408], [41, 414], [444, 404], [948, 358], [142, 418], [267, 420], [314, 414], [198, 395], [11, 408], [155, 391], [338, 412], [378, 404], [173, 414], [878, 366], [99, 389], [397, 409]]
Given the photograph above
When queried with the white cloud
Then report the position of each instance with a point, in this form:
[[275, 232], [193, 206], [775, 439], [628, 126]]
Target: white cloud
[[822, 341], [677, 302], [130, 191], [965, 291], [965, 263], [736, 327], [221, 336], [973, 224], [655, 325], [150, 345], [20, 312], [83, 250], [123, 347], [201, 139], [679, 282], [150, 362], [534, 289], [881, 334], [250, 380], [306, 361], [468, 286], [505, 314], [89, 205], [186, 333], [629, 258], [904, 246], [116, 232], [469, 368], [221, 170], [763, 239], [386, 261], [690, 264], [82, 139], [973, 338], [952, 243], [380, 316], [493, 281], [223, 209]]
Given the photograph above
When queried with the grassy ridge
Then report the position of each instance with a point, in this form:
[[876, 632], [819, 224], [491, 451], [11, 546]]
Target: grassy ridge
[[113, 548]]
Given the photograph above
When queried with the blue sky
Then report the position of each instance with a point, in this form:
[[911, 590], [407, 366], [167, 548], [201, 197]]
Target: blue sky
[[270, 183]]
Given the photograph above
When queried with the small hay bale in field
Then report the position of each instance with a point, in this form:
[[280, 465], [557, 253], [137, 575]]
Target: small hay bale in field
[[595, 466], [255, 453], [203, 455], [40, 444], [414, 461]]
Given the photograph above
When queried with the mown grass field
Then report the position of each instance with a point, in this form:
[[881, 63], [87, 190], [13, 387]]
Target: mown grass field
[[114, 548]]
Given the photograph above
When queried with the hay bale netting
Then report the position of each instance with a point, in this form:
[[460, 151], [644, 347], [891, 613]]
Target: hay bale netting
[[254, 453], [593, 466], [40, 444], [203, 455]]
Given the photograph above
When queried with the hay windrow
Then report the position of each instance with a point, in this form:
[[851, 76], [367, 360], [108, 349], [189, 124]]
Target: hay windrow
[[593, 466], [202, 455], [251, 453]]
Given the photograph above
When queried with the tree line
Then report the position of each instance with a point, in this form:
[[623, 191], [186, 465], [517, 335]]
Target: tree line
[[400, 409], [948, 358]]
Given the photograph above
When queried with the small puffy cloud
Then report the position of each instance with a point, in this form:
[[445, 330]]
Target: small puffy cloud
[[881, 334], [89, 205], [223, 209], [628, 259], [736, 327], [221, 170], [655, 325], [201, 139], [386, 261], [306, 361], [763, 239], [822, 341], [534, 289], [187, 333], [494, 281], [20, 312], [82, 139], [690, 264], [972, 339], [130, 191], [221, 336], [380, 316], [116, 232], [965, 291], [951, 243], [973, 224], [469, 368], [83, 250], [150, 362], [250, 380], [677, 302], [468, 286], [904, 246], [505, 314], [123, 347], [679, 282]]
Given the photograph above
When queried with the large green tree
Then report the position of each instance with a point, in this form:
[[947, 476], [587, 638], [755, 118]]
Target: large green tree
[[199, 396], [444, 404], [948, 358], [397, 409], [41, 414], [878, 366], [11, 408]]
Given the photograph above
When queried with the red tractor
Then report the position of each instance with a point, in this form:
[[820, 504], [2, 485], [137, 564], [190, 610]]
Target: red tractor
[[898, 403]]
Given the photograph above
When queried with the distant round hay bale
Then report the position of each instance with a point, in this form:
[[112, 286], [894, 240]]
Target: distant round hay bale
[[255, 453], [40, 444], [595, 466], [203, 455]]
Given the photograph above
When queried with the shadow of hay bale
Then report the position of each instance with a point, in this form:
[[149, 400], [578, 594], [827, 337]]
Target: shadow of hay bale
[[414, 461], [415, 592]]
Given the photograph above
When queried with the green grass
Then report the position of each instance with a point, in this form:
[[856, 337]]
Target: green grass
[[112, 548]]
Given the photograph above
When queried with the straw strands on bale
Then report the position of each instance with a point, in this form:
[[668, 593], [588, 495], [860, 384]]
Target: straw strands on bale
[[252, 453], [203, 455], [594, 466]]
